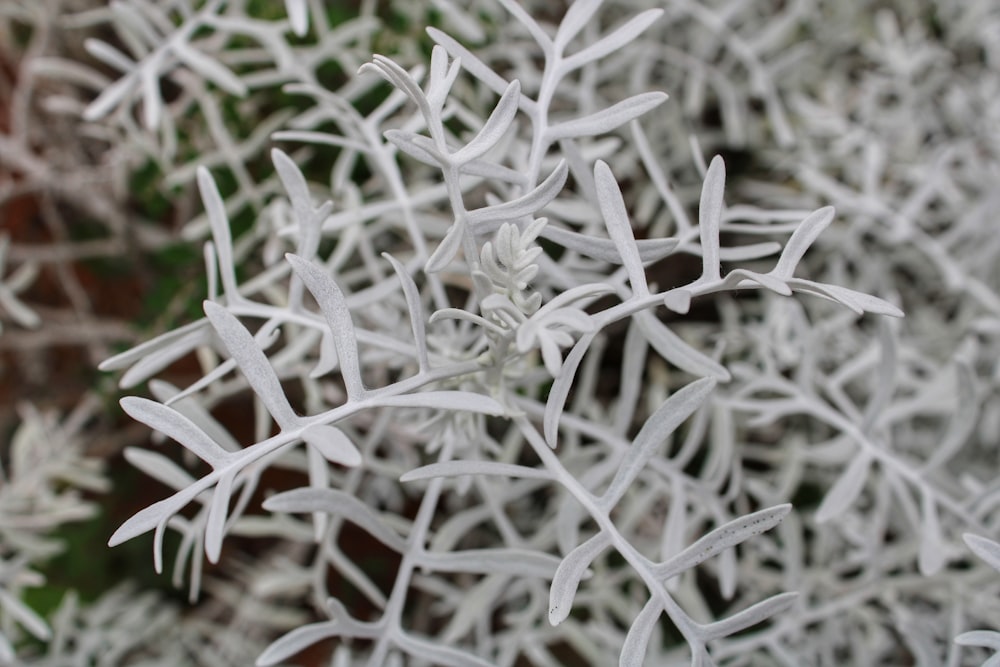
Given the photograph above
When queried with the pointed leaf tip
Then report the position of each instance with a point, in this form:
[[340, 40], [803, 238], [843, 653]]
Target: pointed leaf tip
[[333, 444]]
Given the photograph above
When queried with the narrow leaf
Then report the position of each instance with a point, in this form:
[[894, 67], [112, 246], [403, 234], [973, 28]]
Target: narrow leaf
[[327, 361], [856, 301], [931, 557], [159, 467], [434, 653], [803, 237], [157, 359], [333, 444], [221, 234], [517, 562], [637, 640], [109, 98], [444, 400], [296, 641], [671, 347], [561, 385], [710, 216], [529, 204], [528, 22], [460, 468], [446, 250], [650, 250], [25, 616], [152, 103], [725, 536], [476, 67], [985, 638], [253, 362], [673, 532], [986, 549], [577, 16], [609, 197], [209, 68], [141, 351], [109, 55], [413, 305], [400, 78], [674, 411], [750, 616], [614, 40], [494, 128], [571, 570], [411, 143], [338, 317], [740, 278], [175, 425], [147, 519], [336, 503], [294, 183], [298, 16], [846, 489], [218, 511], [606, 120]]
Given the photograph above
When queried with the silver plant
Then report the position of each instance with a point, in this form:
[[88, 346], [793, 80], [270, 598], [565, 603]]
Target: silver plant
[[585, 407]]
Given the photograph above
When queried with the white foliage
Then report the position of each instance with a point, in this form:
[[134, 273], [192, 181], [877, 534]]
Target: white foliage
[[493, 357]]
